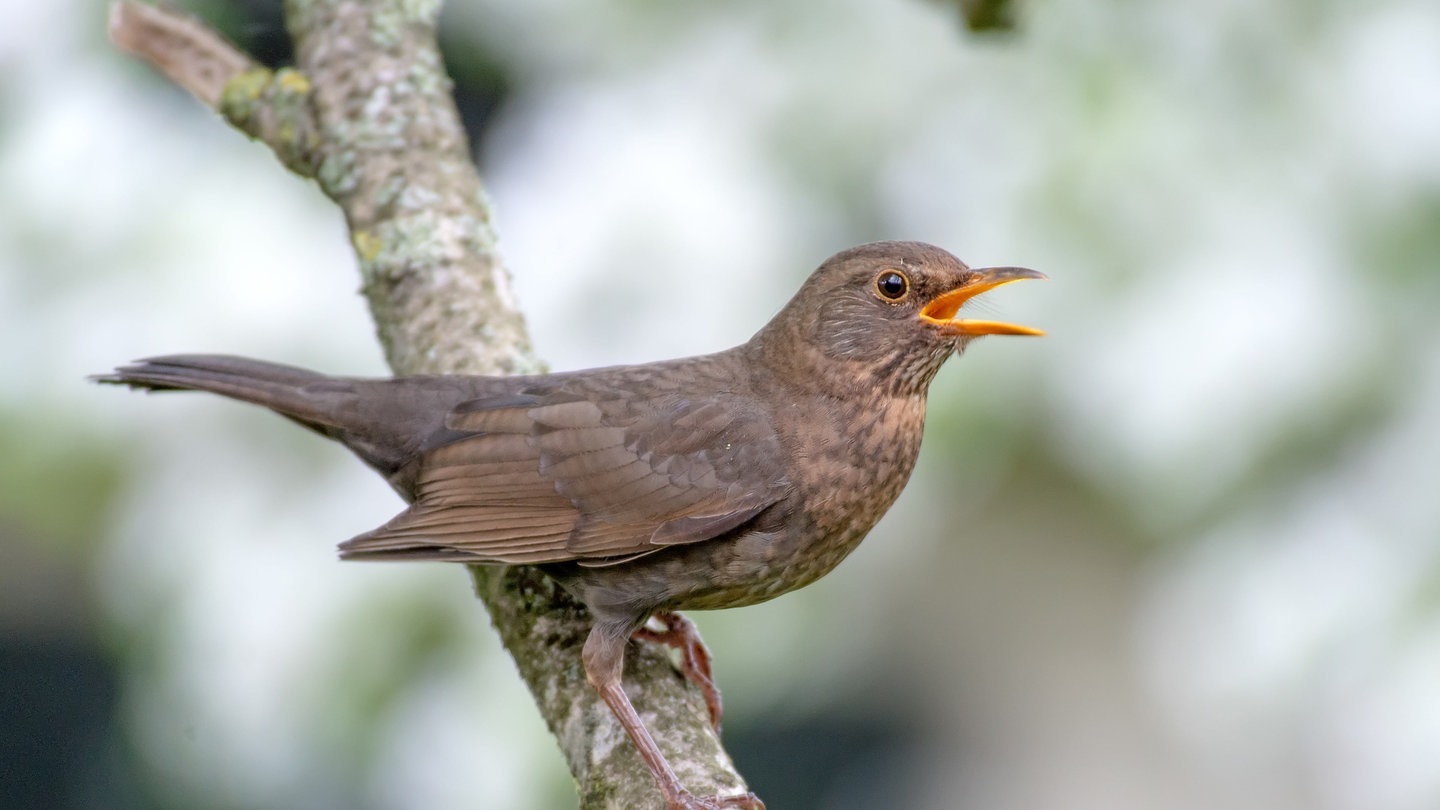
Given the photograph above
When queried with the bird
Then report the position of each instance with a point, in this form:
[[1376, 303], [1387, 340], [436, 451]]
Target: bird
[[707, 482]]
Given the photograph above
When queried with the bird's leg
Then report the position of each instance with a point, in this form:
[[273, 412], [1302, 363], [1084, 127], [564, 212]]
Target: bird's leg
[[604, 658], [680, 634]]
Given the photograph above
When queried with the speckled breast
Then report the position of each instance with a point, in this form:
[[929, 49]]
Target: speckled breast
[[849, 478]]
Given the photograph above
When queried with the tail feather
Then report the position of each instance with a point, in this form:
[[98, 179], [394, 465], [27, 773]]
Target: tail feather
[[386, 422], [287, 390], [383, 437]]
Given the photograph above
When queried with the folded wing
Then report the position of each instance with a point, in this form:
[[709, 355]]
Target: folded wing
[[583, 470]]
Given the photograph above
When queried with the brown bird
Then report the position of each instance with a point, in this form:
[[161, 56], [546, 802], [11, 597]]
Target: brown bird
[[706, 482]]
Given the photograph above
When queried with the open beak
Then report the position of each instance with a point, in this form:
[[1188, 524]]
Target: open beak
[[941, 311]]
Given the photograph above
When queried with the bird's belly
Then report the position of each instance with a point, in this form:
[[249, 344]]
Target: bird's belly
[[853, 479], [843, 498], [758, 567], [745, 569]]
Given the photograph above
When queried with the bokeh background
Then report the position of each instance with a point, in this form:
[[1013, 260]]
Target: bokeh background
[[1183, 553]]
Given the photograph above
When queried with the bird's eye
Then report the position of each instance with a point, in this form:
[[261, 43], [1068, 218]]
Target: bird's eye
[[892, 285]]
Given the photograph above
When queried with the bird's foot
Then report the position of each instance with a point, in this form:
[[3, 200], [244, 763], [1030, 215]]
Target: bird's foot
[[689, 801], [680, 634]]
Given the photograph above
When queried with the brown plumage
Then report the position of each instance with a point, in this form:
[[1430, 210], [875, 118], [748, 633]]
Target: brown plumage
[[706, 482]]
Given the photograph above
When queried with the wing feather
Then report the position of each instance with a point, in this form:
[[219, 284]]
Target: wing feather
[[584, 468]]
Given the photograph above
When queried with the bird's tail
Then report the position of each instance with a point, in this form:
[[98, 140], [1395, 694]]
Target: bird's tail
[[307, 397], [351, 411], [383, 421]]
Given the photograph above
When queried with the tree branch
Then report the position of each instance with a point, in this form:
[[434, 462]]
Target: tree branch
[[186, 50], [367, 112]]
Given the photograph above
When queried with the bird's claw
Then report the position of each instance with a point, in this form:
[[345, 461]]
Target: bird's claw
[[689, 801], [680, 634]]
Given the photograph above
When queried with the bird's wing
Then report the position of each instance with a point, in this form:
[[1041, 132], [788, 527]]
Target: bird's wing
[[583, 471]]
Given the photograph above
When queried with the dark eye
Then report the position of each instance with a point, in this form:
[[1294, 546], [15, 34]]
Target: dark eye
[[892, 284]]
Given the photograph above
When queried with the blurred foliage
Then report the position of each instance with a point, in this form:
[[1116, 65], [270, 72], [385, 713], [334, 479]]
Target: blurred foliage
[[1181, 553], [65, 520]]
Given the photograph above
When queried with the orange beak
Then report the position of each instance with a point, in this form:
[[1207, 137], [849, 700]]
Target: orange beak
[[941, 311]]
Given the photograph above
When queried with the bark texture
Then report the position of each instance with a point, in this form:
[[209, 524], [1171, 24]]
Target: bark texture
[[367, 112]]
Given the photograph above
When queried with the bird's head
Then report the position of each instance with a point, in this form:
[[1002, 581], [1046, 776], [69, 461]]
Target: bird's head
[[886, 314]]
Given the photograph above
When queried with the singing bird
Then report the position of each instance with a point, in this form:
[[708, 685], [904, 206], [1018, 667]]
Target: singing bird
[[706, 482]]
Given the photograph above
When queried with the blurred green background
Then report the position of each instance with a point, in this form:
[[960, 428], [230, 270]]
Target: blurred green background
[[1183, 553]]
